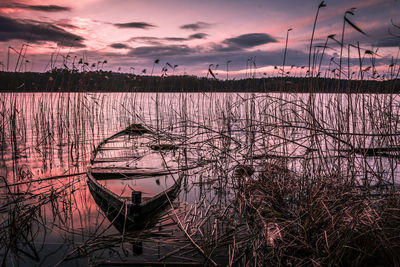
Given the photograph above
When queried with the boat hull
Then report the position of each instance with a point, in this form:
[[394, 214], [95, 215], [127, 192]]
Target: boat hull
[[121, 211]]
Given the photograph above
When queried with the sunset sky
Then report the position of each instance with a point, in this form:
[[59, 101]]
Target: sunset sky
[[190, 34]]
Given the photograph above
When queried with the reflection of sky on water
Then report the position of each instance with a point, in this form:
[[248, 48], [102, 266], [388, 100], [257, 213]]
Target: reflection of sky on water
[[54, 134]]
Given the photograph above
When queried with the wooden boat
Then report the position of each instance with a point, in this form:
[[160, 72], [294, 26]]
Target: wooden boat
[[130, 212]]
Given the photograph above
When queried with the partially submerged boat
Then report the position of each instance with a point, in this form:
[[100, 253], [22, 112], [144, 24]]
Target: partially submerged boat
[[132, 176]]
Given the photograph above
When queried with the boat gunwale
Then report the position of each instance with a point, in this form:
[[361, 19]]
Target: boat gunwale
[[146, 202]]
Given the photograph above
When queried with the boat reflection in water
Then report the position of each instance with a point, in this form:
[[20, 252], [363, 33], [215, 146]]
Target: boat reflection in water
[[133, 178]]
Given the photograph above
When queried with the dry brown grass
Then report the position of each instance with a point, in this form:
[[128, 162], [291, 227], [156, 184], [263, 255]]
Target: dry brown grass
[[326, 223]]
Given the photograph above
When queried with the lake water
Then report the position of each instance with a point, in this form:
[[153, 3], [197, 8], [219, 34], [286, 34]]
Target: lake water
[[56, 221]]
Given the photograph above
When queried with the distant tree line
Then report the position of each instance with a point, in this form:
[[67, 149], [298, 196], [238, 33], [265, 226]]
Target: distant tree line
[[101, 81]]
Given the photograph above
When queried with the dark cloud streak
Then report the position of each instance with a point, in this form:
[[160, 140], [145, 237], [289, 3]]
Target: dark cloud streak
[[196, 26], [199, 35], [250, 40], [43, 8], [135, 25], [214, 52], [160, 51], [119, 46], [146, 40], [13, 29], [160, 41], [174, 39], [390, 41], [243, 42]]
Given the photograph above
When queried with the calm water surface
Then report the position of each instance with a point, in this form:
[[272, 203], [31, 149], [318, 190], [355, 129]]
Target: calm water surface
[[44, 135]]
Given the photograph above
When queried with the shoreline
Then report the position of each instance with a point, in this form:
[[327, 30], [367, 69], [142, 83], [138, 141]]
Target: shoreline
[[100, 81]]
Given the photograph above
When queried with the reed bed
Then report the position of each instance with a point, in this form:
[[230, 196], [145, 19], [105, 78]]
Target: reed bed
[[279, 180]]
